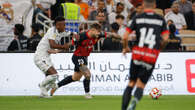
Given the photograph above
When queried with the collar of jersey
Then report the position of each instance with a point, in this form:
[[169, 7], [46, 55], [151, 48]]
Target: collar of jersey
[[149, 11]]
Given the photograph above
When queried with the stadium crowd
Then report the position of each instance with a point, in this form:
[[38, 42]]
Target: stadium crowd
[[113, 15]]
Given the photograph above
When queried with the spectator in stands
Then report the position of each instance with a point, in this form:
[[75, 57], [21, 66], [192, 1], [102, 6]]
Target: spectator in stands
[[174, 43], [128, 8], [20, 41], [101, 18], [109, 6], [176, 17], [84, 8], [113, 43], [93, 4], [119, 10], [185, 6], [55, 9], [43, 6], [139, 9], [190, 18], [35, 38], [120, 21], [102, 8]]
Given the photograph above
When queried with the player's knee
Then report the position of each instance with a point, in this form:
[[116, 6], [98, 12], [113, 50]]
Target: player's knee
[[76, 78], [88, 76]]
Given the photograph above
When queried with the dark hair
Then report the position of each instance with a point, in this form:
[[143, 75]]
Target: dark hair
[[19, 28], [35, 27], [119, 3], [115, 26], [120, 16], [139, 4], [59, 18], [96, 26]]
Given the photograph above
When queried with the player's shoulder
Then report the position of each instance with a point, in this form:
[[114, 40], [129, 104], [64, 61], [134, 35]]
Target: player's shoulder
[[150, 15]]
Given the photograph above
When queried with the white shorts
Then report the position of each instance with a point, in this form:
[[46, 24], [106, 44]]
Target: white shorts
[[43, 63]]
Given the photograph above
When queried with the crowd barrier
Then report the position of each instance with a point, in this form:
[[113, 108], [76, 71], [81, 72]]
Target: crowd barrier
[[174, 74]]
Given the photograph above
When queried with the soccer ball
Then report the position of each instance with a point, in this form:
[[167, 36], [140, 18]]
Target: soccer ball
[[155, 93]]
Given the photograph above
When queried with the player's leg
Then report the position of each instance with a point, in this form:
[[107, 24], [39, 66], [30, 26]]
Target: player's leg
[[86, 81], [69, 79], [127, 93], [75, 77], [140, 84], [45, 65]]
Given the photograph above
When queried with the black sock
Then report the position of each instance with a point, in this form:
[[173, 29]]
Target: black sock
[[65, 81], [138, 93], [126, 97], [86, 84]]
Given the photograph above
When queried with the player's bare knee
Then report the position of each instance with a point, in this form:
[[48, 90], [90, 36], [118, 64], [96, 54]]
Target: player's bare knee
[[88, 76], [84, 69], [76, 76]]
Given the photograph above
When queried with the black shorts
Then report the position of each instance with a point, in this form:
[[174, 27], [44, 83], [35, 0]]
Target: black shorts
[[79, 61], [140, 71]]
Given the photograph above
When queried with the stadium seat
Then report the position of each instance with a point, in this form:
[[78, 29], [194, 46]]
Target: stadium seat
[[188, 39]]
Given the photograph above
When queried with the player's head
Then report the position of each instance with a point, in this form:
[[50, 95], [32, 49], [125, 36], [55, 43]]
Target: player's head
[[18, 29], [120, 19], [149, 3], [95, 30], [59, 23], [114, 27]]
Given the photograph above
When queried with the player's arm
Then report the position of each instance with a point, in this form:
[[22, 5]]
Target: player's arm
[[125, 42], [54, 51], [75, 39], [114, 35], [164, 42], [54, 45]]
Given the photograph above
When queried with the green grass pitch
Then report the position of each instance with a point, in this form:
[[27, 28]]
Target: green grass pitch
[[179, 102]]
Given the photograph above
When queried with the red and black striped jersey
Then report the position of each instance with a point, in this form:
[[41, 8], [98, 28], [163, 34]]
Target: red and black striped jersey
[[149, 28], [85, 44]]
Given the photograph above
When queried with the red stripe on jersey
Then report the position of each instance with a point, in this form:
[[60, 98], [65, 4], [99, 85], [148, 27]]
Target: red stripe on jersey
[[145, 54], [105, 34], [72, 42], [165, 32], [129, 30], [149, 11]]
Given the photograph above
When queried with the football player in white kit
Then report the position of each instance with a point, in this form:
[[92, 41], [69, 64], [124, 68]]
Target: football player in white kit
[[49, 44]]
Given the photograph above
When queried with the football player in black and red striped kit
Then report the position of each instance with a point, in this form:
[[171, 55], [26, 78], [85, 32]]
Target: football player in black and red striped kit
[[84, 45], [152, 35]]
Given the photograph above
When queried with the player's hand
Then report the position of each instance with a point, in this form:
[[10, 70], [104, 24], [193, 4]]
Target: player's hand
[[53, 51], [125, 50]]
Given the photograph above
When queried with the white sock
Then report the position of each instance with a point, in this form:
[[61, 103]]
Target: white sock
[[49, 79]]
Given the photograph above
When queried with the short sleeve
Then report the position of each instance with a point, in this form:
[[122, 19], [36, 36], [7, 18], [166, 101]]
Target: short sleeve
[[51, 34]]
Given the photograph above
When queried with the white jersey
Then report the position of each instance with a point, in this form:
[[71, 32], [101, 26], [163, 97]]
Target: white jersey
[[52, 34]]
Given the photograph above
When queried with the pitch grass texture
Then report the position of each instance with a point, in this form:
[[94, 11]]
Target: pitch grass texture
[[97, 103]]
